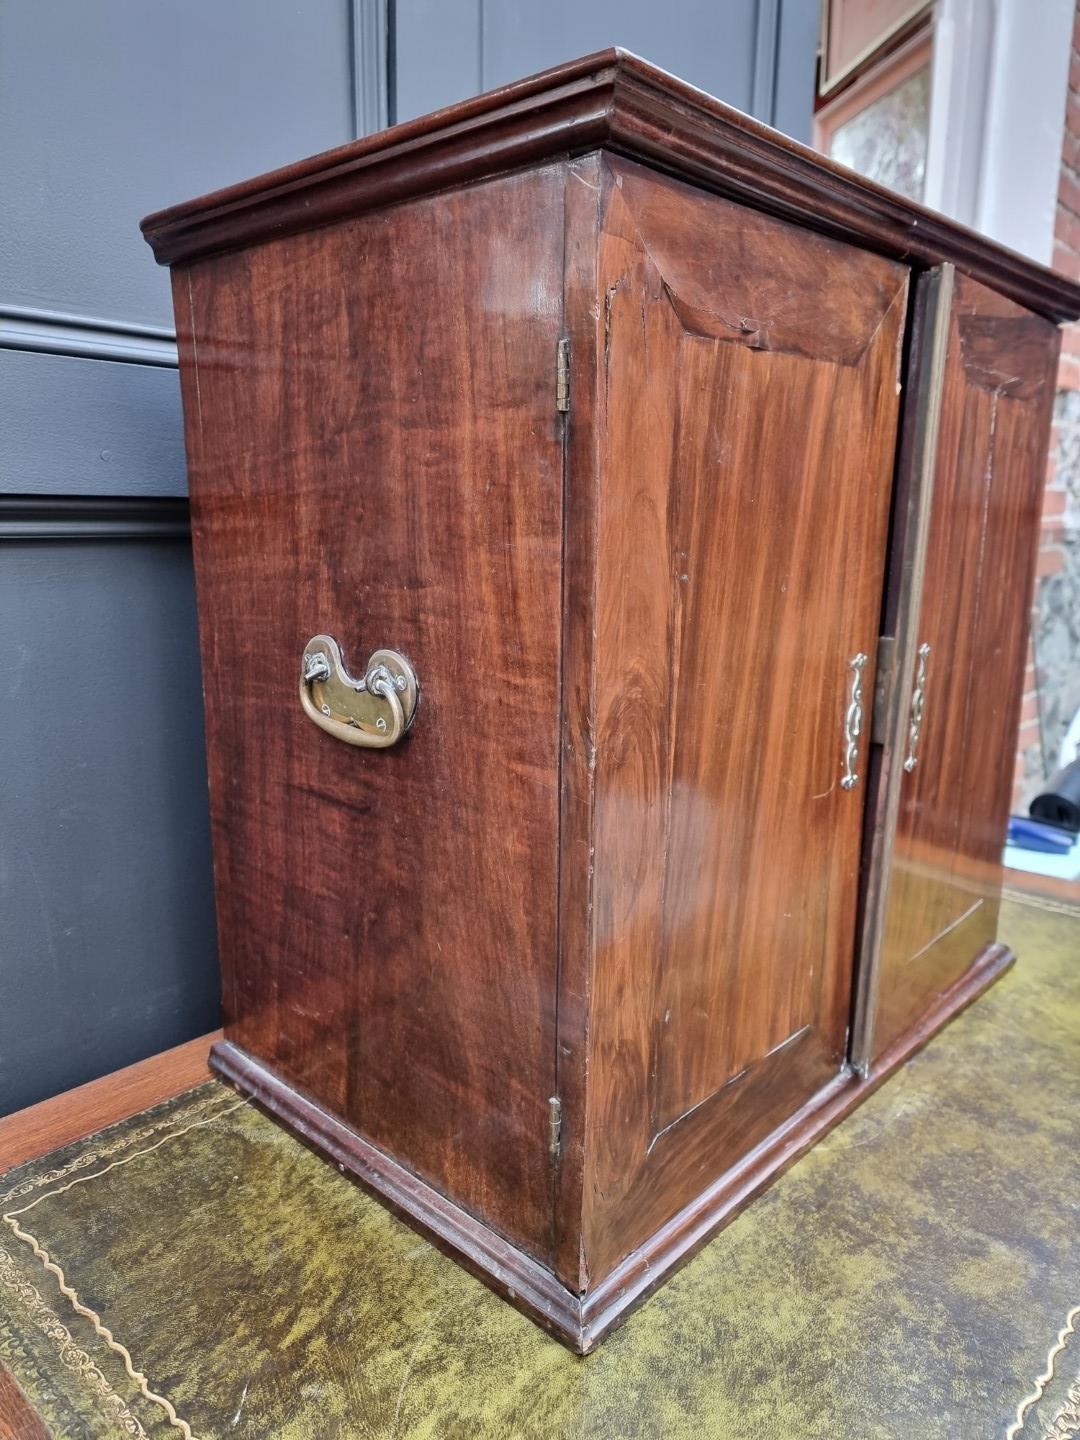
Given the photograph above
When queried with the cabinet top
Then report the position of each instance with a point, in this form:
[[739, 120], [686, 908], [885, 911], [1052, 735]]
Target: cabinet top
[[615, 101]]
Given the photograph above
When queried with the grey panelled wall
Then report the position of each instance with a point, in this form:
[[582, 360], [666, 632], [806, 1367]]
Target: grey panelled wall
[[108, 110], [756, 54]]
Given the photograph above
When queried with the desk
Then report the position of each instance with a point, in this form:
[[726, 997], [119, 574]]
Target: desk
[[54, 1123], [907, 1278]]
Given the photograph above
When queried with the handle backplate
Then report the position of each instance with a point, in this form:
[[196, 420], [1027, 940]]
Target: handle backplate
[[375, 711]]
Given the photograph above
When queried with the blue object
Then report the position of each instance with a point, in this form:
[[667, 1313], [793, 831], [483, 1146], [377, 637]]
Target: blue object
[[1028, 834]]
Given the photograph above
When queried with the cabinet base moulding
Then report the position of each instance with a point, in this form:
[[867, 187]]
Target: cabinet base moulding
[[580, 1322]]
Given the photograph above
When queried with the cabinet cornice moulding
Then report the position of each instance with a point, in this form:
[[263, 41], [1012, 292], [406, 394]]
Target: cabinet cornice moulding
[[615, 101]]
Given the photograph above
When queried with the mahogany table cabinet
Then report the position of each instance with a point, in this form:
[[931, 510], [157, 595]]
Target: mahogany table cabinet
[[614, 530]]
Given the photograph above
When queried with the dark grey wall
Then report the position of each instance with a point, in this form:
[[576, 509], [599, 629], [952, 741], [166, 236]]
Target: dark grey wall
[[110, 109], [103, 848]]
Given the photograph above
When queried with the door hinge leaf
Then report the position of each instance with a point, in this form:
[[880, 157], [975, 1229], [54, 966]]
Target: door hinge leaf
[[554, 1126], [562, 376], [884, 681]]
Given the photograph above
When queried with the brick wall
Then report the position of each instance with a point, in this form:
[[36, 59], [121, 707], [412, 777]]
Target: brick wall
[[1052, 681]]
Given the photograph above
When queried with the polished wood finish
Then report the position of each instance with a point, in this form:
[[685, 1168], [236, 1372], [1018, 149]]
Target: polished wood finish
[[393, 478], [945, 872], [18, 1419], [77, 1113], [928, 335], [615, 101], [612, 867], [747, 405]]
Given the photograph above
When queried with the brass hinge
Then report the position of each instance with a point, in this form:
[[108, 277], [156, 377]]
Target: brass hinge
[[884, 680], [562, 375], [554, 1126]]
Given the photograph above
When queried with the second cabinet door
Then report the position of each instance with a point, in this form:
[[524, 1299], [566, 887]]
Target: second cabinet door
[[942, 905], [748, 393]]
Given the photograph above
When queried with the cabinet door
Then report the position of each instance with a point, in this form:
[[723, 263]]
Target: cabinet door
[[955, 748], [748, 395]]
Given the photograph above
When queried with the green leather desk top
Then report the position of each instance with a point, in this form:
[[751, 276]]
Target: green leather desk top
[[909, 1277]]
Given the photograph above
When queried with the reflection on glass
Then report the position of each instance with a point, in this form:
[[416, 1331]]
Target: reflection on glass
[[887, 140]]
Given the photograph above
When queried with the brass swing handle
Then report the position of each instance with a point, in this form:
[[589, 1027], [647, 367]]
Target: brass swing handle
[[375, 711]]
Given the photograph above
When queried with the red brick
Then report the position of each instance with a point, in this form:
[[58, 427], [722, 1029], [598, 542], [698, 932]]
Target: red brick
[[1053, 508], [1068, 191], [1066, 261], [1028, 738], [1068, 376], [1051, 561], [1067, 230], [1029, 712]]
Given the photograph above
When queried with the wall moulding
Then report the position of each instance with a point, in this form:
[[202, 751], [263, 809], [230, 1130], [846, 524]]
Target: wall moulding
[[90, 337]]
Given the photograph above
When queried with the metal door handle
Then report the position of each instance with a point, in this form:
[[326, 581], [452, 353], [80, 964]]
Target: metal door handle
[[918, 704], [853, 721], [375, 711]]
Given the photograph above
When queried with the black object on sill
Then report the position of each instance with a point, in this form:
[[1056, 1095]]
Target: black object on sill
[[1059, 803]]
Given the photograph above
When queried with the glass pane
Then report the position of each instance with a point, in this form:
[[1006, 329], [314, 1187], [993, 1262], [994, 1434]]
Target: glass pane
[[887, 140]]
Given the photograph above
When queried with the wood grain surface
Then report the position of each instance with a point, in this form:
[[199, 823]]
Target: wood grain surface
[[375, 454], [18, 1419], [991, 461], [748, 402]]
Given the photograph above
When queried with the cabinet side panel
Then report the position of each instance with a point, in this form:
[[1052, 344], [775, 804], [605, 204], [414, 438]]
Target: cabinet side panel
[[376, 454], [749, 392], [990, 469]]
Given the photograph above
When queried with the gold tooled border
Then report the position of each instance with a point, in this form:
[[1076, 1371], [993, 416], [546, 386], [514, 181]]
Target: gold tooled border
[[70, 1354], [99, 1151], [61, 1336], [1044, 1379]]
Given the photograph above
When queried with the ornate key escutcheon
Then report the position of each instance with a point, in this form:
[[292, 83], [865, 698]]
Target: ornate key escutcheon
[[918, 704], [375, 711], [853, 722]]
